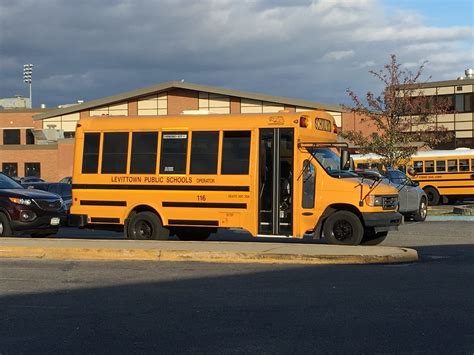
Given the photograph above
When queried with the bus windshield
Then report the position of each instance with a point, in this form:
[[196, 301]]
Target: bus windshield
[[330, 161]]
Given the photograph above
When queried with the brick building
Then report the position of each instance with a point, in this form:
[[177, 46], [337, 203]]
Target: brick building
[[54, 159]]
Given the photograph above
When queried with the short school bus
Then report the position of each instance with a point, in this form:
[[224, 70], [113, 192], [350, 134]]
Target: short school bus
[[441, 173], [269, 174]]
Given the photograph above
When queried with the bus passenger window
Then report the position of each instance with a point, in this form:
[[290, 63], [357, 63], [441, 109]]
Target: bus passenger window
[[472, 165], [90, 156], [114, 153], [440, 165], [309, 177], [418, 166], [143, 159], [235, 153], [452, 165], [204, 146], [429, 166], [463, 164], [174, 146]]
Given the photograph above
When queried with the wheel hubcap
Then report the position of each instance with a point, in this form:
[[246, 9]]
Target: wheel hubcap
[[1, 228], [342, 230], [143, 230], [423, 209]]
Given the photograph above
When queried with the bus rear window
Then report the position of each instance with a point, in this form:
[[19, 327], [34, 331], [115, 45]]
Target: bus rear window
[[90, 156], [114, 153], [174, 147], [235, 153]]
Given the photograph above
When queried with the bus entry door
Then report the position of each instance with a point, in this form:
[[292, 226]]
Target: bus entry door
[[276, 181]]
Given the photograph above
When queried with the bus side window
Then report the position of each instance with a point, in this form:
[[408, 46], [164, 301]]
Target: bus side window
[[235, 153], [463, 164], [143, 157], [429, 166], [174, 147], [204, 152], [441, 165], [114, 153], [472, 165], [418, 166], [452, 165], [90, 155], [309, 179]]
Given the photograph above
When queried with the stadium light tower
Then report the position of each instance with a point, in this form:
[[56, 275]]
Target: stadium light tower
[[27, 78]]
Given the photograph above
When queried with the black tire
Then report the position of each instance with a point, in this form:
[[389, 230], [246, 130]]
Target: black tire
[[45, 233], [343, 228], [433, 196], [190, 234], [5, 228], [422, 212], [145, 226], [372, 238]]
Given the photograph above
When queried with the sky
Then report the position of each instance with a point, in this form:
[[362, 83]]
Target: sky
[[306, 49]]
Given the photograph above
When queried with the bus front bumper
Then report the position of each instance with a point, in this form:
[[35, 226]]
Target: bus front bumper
[[382, 221], [77, 220]]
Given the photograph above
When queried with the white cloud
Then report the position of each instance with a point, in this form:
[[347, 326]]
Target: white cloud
[[338, 55]]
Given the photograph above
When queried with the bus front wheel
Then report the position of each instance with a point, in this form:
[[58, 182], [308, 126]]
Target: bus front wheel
[[433, 196], [145, 226], [343, 228]]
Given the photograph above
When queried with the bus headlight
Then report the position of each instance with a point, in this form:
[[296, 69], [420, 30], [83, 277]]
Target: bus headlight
[[374, 200]]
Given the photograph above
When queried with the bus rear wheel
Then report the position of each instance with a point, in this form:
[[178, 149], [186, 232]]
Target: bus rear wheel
[[343, 228], [433, 196], [145, 226]]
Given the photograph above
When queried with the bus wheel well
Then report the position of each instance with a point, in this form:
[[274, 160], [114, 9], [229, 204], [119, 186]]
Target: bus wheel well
[[143, 208], [332, 209]]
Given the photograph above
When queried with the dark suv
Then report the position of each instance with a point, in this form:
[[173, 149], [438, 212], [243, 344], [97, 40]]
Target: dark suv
[[24, 211]]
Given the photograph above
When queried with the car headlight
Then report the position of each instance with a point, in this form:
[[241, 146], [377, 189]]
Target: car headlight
[[374, 200], [20, 201]]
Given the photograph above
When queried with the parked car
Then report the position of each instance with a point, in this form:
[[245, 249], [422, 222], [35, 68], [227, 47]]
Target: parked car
[[28, 179], [66, 180], [413, 202], [61, 189], [28, 211]]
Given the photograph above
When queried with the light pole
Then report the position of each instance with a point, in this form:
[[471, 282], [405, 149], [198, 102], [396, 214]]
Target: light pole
[[27, 76]]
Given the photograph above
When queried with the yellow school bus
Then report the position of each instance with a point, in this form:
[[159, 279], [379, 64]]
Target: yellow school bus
[[441, 173], [273, 175], [444, 173]]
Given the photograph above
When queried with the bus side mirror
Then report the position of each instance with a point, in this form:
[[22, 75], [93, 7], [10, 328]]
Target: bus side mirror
[[345, 160]]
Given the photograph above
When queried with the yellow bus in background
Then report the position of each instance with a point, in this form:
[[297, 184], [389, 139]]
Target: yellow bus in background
[[444, 173], [441, 173], [273, 175]]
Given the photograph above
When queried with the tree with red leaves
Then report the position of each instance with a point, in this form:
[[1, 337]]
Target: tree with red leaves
[[403, 116]]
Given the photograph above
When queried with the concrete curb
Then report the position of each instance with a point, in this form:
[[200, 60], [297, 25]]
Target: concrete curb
[[311, 255]]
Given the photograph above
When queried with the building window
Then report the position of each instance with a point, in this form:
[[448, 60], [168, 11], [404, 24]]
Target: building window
[[235, 153], [11, 169], [30, 138], [11, 136], [214, 103], [459, 103], [69, 134], [33, 169], [114, 153], [174, 147], [204, 151], [90, 156], [144, 147]]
